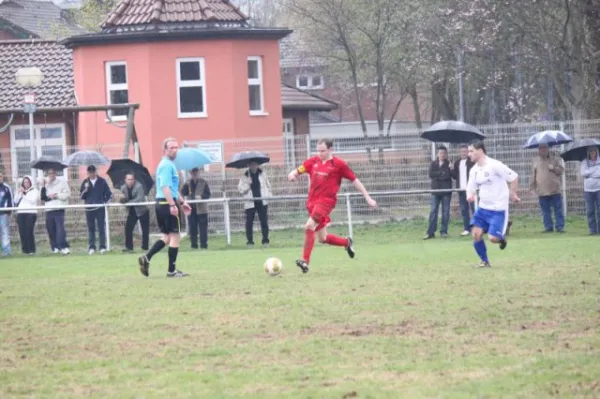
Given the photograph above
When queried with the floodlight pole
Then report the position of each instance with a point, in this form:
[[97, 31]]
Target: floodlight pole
[[30, 77], [31, 141]]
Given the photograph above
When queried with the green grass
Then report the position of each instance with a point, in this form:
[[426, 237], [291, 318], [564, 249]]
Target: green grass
[[406, 318]]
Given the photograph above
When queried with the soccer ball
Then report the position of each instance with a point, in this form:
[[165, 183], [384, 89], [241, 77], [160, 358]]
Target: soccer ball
[[273, 266]]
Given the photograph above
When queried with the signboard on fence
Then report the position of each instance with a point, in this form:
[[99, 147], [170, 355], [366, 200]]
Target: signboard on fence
[[214, 148]]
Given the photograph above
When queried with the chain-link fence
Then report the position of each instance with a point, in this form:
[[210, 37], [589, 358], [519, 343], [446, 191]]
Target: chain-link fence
[[394, 165]]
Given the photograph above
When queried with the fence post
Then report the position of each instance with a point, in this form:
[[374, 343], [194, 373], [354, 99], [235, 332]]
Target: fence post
[[107, 227], [227, 219], [136, 151], [563, 176], [308, 154], [307, 146], [349, 215]]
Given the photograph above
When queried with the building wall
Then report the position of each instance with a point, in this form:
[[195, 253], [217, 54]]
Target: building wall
[[7, 35], [151, 75], [301, 120], [345, 97]]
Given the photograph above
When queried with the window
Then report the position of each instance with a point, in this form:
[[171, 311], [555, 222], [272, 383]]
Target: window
[[191, 93], [48, 140], [255, 86], [309, 82], [116, 88], [302, 82]]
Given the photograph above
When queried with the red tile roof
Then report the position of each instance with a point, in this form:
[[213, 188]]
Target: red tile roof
[[146, 12], [54, 60]]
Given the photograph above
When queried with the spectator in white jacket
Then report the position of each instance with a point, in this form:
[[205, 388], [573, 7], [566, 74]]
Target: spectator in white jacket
[[27, 197], [254, 183], [56, 192]]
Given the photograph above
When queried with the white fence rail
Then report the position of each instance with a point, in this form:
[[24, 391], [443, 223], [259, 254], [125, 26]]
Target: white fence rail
[[227, 225]]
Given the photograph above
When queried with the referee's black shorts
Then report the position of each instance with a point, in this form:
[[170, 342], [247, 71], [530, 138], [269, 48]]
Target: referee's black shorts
[[167, 223]]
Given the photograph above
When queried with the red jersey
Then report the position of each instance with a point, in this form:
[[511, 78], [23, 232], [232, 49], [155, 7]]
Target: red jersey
[[326, 178]]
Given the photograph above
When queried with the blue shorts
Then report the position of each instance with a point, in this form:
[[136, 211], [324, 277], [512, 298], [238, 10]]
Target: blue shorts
[[492, 222]]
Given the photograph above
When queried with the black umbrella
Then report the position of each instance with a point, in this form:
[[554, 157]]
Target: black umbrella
[[243, 159], [578, 150], [452, 132], [119, 168], [46, 162]]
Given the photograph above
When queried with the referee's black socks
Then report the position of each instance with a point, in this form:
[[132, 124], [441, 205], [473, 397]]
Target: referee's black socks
[[158, 245], [172, 258]]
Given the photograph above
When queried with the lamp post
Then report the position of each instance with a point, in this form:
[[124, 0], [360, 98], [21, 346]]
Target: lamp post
[[30, 78]]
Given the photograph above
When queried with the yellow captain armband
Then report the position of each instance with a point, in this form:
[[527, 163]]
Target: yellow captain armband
[[301, 169]]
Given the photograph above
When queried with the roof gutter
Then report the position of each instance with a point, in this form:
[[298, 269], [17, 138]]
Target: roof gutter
[[173, 35]]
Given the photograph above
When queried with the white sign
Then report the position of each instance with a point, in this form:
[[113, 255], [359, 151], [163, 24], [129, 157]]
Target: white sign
[[29, 98], [214, 148]]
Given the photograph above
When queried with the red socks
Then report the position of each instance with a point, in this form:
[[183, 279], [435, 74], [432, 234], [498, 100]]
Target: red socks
[[336, 240], [309, 243]]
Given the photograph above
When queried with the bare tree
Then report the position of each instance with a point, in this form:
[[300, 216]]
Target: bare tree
[[366, 42]]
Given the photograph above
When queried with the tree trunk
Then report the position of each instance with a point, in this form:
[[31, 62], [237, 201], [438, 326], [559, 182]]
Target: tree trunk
[[416, 107]]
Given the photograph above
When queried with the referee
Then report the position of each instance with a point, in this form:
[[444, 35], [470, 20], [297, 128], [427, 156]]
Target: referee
[[167, 210]]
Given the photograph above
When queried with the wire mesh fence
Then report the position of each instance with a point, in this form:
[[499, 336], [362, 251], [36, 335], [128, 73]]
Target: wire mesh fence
[[395, 164]]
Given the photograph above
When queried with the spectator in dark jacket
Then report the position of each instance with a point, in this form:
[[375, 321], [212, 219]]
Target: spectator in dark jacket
[[440, 173], [194, 189], [133, 192], [95, 190], [460, 173], [6, 201]]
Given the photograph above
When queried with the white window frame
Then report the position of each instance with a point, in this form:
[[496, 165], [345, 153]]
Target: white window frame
[[38, 143], [191, 83], [309, 81], [257, 82], [115, 86]]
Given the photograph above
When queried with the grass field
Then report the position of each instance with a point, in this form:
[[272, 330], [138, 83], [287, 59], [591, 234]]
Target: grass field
[[406, 318]]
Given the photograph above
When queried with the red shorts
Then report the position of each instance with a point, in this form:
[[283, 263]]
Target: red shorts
[[319, 212]]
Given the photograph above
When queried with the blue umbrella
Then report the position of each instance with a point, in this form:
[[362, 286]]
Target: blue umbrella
[[549, 138], [190, 158]]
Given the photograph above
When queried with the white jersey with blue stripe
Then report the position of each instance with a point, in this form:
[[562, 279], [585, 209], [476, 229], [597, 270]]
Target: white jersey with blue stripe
[[491, 178]]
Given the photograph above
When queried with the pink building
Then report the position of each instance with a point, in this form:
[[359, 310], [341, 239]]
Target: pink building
[[197, 69]]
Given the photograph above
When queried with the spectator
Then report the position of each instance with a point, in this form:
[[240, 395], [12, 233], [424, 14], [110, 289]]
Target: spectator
[[590, 170], [27, 197], [6, 201], [440, 173], [55, 193], [460, 173], [133, 192], [95, 190], [197, 188], [546, 173], [255, 184]]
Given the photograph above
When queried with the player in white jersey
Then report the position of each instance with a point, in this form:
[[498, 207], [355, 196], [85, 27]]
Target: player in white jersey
[[490, 177]]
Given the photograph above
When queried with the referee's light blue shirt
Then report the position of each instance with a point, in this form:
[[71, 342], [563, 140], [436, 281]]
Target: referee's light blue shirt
[[166, 176]]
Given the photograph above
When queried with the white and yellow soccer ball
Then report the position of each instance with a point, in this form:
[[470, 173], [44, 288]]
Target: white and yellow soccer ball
[[273, 266]]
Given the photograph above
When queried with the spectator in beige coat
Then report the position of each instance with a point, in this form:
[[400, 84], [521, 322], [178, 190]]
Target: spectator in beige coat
[[254, 183], [546, 173]]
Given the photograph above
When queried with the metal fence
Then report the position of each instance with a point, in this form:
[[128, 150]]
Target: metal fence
[[394, 165]]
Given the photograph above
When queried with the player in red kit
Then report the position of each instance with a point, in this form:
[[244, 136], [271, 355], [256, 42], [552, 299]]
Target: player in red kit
[[326, 173]]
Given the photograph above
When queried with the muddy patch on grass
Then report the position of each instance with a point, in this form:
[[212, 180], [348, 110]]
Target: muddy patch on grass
[[404, 328], [540, 325]]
